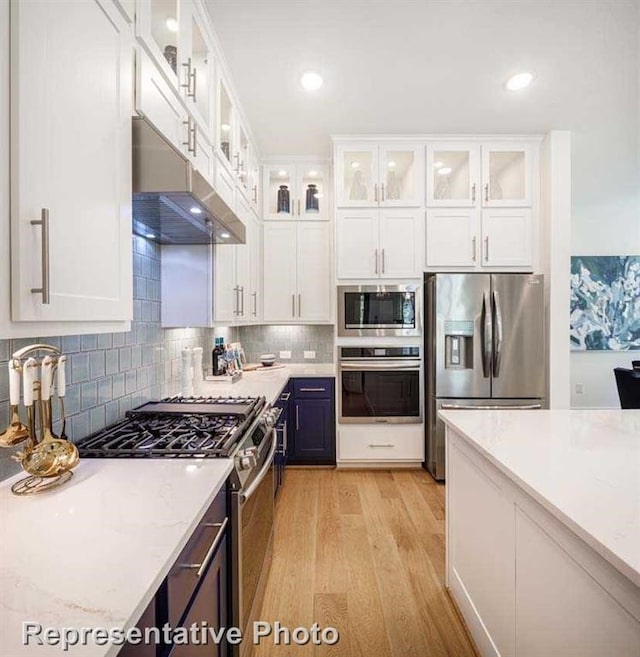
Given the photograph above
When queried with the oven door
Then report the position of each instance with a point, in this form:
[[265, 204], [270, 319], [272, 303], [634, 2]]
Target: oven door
[[380, 392], [253, 537], [378, 310]]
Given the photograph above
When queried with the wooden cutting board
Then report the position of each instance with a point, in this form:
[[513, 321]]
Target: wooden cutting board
[[256, 367]]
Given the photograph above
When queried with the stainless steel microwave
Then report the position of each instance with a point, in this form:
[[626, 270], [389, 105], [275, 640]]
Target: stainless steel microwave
[[379, 310]]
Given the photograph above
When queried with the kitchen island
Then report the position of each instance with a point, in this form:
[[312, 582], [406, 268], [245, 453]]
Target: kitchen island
[[543, 530]]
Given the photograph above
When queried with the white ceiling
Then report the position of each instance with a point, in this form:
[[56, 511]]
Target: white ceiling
[[431, 66]]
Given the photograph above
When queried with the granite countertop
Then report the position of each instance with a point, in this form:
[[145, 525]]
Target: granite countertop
[[582, 466], [268, 381], [93, 552]]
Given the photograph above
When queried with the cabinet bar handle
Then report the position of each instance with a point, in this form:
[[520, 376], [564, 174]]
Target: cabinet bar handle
[[285, 396], [293, 305], [299, 305], [255, 303], [381, 445], [376, 257], [237, 159], [473, 193], [383, 266], [241, 291], [201, 567], [297, 417], [298, 207], [255, 193], [486, 193], [46, 287], [473, 248], [236, 301], [312, 390], [194, 131], [195, 80], [187, 85], [375, 192], [382, 192], [486, 249]]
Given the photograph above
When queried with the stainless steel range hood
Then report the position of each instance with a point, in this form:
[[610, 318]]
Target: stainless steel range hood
[[172, 202]]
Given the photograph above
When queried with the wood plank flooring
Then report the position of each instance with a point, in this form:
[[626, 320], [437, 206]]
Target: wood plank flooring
[[362, 551]]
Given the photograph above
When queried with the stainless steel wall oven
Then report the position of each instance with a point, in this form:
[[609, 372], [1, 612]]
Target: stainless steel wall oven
[[380, 385]]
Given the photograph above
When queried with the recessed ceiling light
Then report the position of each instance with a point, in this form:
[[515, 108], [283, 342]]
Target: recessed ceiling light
[[391, 164], [172, 24], [438, 164], [149, 235], [225, 236], [519, 81], [355, 165], [444, 171], [313, 174], [311, 81], [282, 173], [195, 210], [225, 127]]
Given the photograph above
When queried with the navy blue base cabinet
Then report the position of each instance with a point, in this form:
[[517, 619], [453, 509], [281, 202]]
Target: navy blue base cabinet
[[313, 422]]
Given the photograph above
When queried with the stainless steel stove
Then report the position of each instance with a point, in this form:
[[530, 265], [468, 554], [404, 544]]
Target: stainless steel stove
[[240, 428]]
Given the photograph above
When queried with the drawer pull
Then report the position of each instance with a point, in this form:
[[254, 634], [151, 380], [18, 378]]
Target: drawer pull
[[381, 445], [285, 396], [312, 390], [201, 567]]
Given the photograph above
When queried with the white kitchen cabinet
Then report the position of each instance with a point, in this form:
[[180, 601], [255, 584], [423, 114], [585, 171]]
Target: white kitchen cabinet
[[452, 238], [379, 243], [453, 175], [71, 103], [254, 293], [506, 175], [297, 272], [174, 33], [457, 239], [307, 185], [226, 132], [372, 175], [507, 238]]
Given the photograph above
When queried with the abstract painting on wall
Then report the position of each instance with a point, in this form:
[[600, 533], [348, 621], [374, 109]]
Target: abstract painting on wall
[[605, 303]]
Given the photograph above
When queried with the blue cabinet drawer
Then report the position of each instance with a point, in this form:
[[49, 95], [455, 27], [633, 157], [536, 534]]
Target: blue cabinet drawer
[[313, 388]]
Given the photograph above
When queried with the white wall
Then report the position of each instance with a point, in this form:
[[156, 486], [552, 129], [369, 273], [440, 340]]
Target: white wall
[[606, 217]]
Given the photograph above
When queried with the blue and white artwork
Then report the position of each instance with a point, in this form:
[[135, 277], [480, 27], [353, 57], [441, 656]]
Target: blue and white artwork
[[605, 303]]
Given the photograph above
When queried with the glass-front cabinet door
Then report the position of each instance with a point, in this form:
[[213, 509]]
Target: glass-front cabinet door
[[453, 175], [161, 28], [241, 163], [225, 140], [198, 72], [277, 190], [311, 191], [506, 175], [357, 176], [400, 176]]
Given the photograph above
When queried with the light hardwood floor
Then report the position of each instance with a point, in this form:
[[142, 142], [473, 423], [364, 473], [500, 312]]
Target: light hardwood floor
[[362, 551]]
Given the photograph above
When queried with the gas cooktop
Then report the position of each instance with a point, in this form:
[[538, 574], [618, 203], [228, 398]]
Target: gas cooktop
[[207, 427]]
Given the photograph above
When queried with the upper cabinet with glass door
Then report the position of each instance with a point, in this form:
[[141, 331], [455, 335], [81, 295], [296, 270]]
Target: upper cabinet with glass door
[[371, 175], [458, 177], [506, 175], [226, 142], [175, 35], [296, 190]]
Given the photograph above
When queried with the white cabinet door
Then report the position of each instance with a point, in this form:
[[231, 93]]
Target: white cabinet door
[[452, 238], [507, 239], [243, 263], [357, 171], [401, 175], [560, 608], [314, 272], [400, 244], [226, 299], [71, 155], [254, 300], [453, 175], [158, 102], [357, 249], [506, 175], [279, 279]]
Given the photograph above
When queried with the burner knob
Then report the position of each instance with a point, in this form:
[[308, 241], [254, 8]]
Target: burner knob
[[247, 458]]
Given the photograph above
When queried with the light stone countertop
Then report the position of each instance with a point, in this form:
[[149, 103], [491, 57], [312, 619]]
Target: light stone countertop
[[582, 466], [268, 382], [93, 552]]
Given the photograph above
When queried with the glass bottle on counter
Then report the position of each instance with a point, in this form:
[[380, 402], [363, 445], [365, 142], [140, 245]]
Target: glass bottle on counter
[[217, 357]]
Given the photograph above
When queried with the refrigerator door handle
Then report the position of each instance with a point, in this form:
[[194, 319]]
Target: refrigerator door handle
[[497, 336], [487, 407], [486, 335]]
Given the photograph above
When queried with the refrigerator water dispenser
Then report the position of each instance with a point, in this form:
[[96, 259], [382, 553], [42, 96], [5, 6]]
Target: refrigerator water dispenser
[[458, 344]]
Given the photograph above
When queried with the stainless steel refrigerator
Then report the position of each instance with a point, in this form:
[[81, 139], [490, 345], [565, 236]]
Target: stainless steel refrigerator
[[484, 348]]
